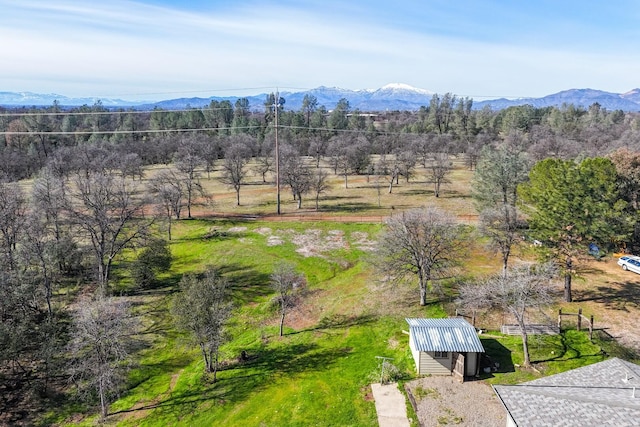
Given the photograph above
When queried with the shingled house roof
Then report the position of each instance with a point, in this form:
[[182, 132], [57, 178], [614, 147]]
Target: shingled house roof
[[451, 335], [603, 394]]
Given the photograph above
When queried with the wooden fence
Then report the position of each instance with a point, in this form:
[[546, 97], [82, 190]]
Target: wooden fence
[[580, 318], [530, 329]]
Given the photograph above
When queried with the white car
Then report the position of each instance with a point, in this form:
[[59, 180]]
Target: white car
[[630, 262]]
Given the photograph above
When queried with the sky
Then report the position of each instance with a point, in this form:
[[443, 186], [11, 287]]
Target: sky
[[165, 49]]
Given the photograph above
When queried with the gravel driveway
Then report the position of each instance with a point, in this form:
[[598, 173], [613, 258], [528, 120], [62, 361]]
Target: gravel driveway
[[444, 401]]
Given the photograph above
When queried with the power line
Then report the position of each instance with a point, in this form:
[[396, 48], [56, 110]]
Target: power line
[[226, 128], [110, 132]]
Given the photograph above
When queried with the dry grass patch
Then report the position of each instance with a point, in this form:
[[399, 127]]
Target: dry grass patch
[[365, 195], [612, 296]]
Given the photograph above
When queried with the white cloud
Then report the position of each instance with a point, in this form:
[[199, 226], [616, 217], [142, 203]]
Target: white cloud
[[132, 50]]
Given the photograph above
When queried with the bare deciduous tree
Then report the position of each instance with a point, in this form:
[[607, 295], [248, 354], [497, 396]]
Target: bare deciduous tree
[[169, 192], [295, 173], [188, 162], [406, 160], [48, 196], [209, 151], [438, 171], [130, 165], [288, 285], [234, 172], [419, 242], [388, 168], [317, 148], [101, 332], [38, 256], [424, 145], [202, 308], [502, 225], [104, 207], [29, 341], [13, 205], [527, 288], [266, 160], [319, 184]]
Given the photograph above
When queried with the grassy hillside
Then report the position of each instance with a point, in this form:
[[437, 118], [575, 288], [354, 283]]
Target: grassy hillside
[[321, 366]]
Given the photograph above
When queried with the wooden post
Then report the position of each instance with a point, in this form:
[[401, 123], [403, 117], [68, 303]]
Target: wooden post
[[591, 328], [579, 318], [560, 319]]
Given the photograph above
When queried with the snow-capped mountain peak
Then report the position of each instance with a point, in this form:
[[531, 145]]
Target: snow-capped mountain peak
[[402, 87], [393, 96]]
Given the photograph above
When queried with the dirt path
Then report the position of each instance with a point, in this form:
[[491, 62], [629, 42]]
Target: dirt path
[[302, 217], [308, 216]]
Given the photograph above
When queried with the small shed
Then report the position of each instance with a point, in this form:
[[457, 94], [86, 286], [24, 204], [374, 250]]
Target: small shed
[[445, 347]]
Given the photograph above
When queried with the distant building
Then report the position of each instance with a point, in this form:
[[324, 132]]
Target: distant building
[[603, 394], [445, 347]]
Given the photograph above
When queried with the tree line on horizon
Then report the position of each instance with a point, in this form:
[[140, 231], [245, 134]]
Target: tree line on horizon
[[31, 138]]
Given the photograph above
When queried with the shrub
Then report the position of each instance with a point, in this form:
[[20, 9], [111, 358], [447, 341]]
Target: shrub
[[387, 373], [153, 259]]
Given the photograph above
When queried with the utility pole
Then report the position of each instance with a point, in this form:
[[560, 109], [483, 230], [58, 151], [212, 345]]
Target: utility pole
[[276, 105]]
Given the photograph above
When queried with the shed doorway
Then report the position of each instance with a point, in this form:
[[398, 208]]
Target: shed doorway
[[458, 366]]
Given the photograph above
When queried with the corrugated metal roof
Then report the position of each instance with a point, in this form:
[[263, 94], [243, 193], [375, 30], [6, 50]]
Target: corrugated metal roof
[[453, 334]]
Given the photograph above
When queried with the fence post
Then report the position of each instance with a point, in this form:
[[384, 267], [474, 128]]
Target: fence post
[[560, 319], [591, 328], [579, 318]]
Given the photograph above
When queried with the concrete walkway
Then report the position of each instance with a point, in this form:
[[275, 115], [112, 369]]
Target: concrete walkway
[[390, 405]]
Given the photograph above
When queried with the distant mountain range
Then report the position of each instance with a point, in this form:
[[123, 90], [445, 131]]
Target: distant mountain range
[[388, 98], [629, 101]]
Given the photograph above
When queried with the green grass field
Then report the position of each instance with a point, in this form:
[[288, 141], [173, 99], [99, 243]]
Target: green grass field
[[319, 372]]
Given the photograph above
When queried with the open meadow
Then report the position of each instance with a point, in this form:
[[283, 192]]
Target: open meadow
[[319, 372]]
